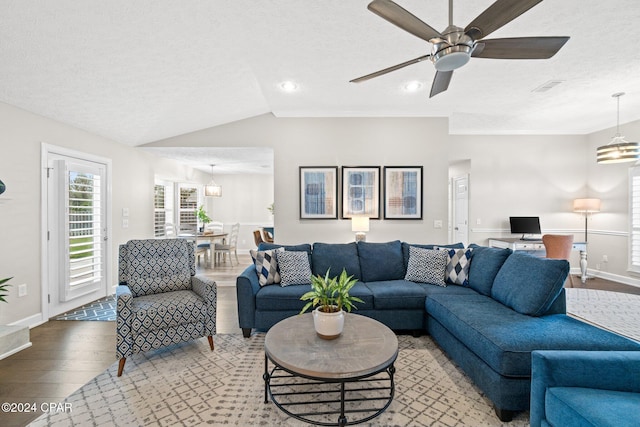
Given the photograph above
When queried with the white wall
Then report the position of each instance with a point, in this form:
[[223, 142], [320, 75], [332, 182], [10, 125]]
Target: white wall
[[341, 142], [244, 200], [609, 229], [20, 209], [510, 175]]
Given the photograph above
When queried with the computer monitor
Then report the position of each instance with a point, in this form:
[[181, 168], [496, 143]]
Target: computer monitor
[[525, 225]]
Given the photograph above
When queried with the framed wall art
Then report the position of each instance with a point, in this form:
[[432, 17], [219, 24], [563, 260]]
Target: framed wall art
[[318, 192], [403, 192], [361, 191]]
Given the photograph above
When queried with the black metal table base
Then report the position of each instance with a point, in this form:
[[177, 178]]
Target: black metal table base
[[315, 400]]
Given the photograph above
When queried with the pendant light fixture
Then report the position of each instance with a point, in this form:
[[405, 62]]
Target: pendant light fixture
[[212, 189], [618, 150]]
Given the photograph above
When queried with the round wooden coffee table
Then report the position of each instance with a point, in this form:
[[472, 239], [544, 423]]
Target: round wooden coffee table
[[312, 379]]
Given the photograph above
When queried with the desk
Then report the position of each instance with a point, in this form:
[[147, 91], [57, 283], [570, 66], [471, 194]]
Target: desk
[[206, 237], [517, 244]]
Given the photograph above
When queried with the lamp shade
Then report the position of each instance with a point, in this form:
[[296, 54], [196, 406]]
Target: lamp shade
[[618, 151], [586, 205], [213, 189], [360, 223]]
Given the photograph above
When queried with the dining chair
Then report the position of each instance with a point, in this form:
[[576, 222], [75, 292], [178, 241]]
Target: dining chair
[[231, 246], [257, 237], [170, 231], [558, 246], [266, 236]]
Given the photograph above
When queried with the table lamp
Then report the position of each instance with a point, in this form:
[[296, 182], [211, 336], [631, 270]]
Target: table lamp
[[360, 224], [586, 206]]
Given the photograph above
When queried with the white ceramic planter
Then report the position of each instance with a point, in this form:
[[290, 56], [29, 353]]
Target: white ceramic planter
[[328, 325]]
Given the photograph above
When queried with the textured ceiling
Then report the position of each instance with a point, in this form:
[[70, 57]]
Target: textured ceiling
[[144, 70]]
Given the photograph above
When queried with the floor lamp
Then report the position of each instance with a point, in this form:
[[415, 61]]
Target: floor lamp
[[586, 206]]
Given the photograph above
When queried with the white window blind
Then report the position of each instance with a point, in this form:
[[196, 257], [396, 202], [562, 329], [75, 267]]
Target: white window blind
[[634, 215], [187, 219], [84, 230], [163, 207]]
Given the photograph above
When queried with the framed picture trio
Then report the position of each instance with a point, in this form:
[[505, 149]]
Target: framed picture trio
[[393, 192]]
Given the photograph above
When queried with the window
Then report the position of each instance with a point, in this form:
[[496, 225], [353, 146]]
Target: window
[[175, 204], [187, 219], [634, 216], [163, 207]]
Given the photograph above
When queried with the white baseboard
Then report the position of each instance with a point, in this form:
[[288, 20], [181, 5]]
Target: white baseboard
[[608, 276], [15, 350], [31, 321]]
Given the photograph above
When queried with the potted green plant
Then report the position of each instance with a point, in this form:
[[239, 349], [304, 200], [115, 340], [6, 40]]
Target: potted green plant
[[202, 216], [331, 297], [4, 288]]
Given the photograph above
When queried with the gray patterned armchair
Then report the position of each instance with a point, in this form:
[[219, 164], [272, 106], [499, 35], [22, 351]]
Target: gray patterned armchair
[[160, 300]]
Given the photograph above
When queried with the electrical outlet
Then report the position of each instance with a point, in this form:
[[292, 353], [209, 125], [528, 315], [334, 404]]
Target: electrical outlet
[[22, 290], [478, 221], [125, 223], [597, 266], [605, 258]]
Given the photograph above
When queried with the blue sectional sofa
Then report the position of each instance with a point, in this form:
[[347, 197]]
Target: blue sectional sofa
[[509, 305], [585, 388]]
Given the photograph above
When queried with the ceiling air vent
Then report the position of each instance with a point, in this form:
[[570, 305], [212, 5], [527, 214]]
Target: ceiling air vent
[[547, 86]]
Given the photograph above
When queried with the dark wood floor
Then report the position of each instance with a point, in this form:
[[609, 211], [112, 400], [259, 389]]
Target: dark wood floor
[[67, 354]]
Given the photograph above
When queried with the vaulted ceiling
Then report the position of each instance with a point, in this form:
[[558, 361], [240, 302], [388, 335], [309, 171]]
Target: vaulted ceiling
[[144, 70]]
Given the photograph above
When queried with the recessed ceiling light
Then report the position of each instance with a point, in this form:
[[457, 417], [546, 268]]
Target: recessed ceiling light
[[288, 86], [413, 86]]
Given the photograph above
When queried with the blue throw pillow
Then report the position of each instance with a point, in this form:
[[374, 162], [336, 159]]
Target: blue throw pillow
[[529, 284], [335, 256], [381, 261], [485, 264]]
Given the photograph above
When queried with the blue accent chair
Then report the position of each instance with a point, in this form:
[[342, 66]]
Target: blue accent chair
[[160, 300], [585, 388]]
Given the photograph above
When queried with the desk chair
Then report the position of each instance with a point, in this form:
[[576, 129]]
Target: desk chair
[[558, 247]]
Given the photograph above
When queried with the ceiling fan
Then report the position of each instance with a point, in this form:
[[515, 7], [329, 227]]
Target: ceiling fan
[[453, 48]]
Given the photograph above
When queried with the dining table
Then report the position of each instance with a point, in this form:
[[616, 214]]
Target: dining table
[[211, 238]]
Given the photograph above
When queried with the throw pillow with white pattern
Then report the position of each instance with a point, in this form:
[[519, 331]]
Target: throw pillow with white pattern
[[426, 266], [458, 263], [294, 268], [266, 266]]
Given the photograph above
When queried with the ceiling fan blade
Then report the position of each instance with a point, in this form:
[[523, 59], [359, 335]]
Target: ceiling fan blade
[[390, 69], [497, 15], [440, 82], [519, 48], [402, 18]]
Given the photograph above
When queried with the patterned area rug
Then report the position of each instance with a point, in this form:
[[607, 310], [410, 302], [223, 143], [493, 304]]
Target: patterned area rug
[[102, 309], [187, 384], [614, 311]]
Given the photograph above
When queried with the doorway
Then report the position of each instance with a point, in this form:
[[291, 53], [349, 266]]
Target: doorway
[[76, 233], [459, 178]]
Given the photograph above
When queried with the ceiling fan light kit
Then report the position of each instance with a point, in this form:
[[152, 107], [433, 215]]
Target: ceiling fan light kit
[[618, 150], [456, 46]]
